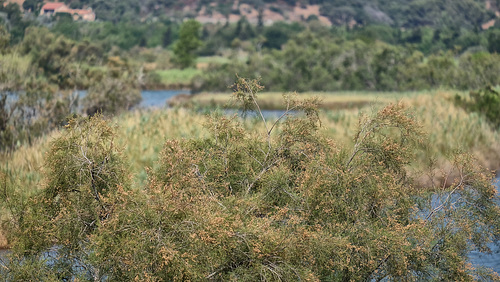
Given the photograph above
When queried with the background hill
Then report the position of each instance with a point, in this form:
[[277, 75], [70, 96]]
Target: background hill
[[399, 13]]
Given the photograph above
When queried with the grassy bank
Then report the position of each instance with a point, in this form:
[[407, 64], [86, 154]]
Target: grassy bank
[[274, 100], [176, 78], [172, 78]]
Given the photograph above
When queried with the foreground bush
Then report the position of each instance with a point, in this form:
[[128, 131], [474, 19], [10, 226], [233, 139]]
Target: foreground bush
[[285, 203]]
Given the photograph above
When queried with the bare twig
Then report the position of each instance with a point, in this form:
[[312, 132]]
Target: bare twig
[[440, 207]]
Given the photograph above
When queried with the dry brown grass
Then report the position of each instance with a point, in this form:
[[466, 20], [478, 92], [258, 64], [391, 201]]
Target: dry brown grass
[[274, 100], [3, 241]]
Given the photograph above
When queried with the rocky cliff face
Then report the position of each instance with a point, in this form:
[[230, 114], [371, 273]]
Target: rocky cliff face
[[266, 14], [280, 10]]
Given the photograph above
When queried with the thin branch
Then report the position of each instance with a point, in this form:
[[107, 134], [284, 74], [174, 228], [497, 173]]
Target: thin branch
[[378, 267], [256, 104], [440, 207], [288, 109], [264, 170]]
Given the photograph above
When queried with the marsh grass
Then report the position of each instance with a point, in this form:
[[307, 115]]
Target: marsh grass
[[449, 127], [15, 64], [212, 60], [175, 77], [330, 100], [143, 133]]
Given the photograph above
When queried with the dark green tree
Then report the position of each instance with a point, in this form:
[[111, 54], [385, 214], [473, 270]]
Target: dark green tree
[[494, 41], [167, 37], [4, 40], [189, 41], [32, 5], [485, 101], [67, 27]]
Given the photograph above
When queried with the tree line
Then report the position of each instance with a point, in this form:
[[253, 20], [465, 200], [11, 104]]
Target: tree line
[[325, 62]]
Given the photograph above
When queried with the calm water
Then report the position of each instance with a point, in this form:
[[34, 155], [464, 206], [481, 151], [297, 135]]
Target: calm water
[[151, 98], [158, 98], [489, 260]]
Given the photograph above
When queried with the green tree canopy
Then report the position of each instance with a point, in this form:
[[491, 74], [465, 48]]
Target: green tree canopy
[[32, 5], [189, 41]]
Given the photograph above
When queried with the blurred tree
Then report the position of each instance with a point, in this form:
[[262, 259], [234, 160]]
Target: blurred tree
[[189, 41], [67, 26], [4, 40], [494, 40], [244, 29], [32, 5]]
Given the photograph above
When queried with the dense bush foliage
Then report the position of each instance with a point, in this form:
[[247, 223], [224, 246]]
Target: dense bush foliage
[[115, 91], [285, 203], [485, 101], [39, 79], [311, 61]]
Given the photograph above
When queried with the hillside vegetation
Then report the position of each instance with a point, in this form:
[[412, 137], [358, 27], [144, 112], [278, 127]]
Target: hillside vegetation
[[408, 14]]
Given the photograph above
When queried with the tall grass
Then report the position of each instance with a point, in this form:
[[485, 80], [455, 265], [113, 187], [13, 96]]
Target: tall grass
[[330, 100], [15, 64], [452, 128], [143, 133], [177, 76], [448, 127]]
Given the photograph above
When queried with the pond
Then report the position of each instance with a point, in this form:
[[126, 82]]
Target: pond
[[151, 98], [158, 98]]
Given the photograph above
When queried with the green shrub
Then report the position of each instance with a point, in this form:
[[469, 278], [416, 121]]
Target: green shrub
[[485, 101], [111, 96], [284, 203], [83, 170]]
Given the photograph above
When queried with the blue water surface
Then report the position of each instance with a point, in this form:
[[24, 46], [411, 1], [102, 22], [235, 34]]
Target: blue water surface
[[158, 98], [491, 260], [150, 98]]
